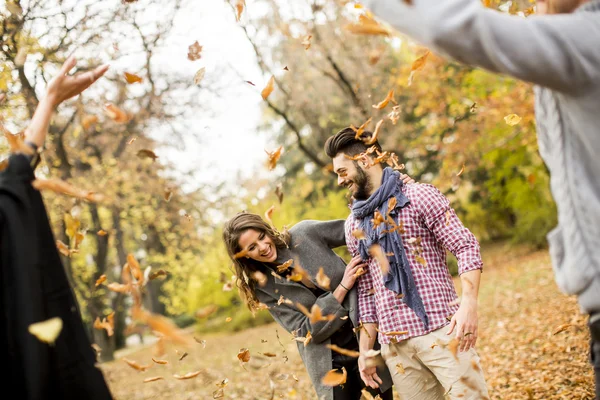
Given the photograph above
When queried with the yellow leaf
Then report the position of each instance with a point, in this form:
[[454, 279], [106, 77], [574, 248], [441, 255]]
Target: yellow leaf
[[512, 119], [47, 331], [199, 76], [132, 78], [335, 378], [269, 88], [322, 279]]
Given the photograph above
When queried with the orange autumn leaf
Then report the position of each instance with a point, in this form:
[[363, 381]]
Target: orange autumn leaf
[[273, 157], [366, 25], [269, 88], [116, 114], [63, 248], [269, 214], [189, 375], [315, 314], [88, 121], [377, 253], [16, 142], [162, 325], [145, 153], [194, 51], [306, 41], [389, 98], [100, 280], [244, 355], [135, 365], [239, 9], [107, 323], [62, 187], [335, 378], [136, 270], [119, 287], [132, 78], [153, 378], [322, 279], [101, 232], [461, 170], [346, 352], [417, 65], [373, 138]]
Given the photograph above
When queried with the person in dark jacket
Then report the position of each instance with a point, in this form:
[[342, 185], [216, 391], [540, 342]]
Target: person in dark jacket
[[33, 282]]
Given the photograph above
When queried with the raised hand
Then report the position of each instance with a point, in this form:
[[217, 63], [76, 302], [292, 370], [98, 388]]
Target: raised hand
[[64, 86]]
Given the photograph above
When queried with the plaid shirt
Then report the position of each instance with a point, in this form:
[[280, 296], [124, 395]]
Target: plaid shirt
[[428, 216]]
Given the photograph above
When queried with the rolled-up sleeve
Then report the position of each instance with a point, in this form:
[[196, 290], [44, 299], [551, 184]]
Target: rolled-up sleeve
[[448, 229]]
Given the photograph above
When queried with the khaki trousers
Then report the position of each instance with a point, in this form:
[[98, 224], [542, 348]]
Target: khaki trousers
[[424, 368]]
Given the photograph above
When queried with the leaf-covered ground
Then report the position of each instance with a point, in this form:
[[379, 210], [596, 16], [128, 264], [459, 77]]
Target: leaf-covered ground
[[523, 357]]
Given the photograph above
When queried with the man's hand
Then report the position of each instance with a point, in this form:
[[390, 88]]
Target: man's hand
[[64, 86], [368, 372], [465, 322]]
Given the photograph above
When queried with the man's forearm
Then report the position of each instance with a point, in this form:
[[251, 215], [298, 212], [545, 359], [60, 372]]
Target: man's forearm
[[367, 337], [470, 284]]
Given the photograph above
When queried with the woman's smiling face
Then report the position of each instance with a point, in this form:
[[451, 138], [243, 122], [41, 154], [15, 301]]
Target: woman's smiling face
[[258, 246]]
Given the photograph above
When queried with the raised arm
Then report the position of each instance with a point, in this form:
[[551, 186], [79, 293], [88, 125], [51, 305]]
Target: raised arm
[[555, 51], [60, 88]]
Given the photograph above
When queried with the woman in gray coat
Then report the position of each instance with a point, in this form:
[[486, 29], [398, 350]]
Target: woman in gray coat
[[282, 271]]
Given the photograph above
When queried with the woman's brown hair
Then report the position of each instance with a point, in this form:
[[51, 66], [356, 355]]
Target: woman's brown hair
[[244, 268]]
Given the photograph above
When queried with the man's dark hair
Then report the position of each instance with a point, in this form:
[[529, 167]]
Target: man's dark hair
[[345, 141]]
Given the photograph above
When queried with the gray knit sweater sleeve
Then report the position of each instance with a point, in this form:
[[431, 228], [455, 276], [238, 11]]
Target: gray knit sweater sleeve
[[561, 52], [331, 233]]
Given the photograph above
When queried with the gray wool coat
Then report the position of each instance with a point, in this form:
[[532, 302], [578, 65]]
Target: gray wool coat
[[560, 55], [312, 243]]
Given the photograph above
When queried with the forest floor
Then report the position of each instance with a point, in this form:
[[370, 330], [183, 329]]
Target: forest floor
[[522, 354]]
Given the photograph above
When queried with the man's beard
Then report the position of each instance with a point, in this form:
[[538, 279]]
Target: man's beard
[[362, 184]]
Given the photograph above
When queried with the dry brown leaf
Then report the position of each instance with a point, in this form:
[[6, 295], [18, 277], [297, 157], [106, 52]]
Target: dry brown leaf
[[63, 248], [390, 97], [373, 138], [260, 278], [239, 9], [136, 270], [269, 214], [101, 232], [359, 234], [273, 157], [418, 64], [145, 153], [269, 88], [377, 253], [366, 25], [244, 355], [116, 114], [161, 273], [153, 378], [194, 51], [461, 170], [100, 280], [189, 375], [135, 365], [400, 368], [315, 314], [448, 217], [158, 361], [132, 78], [306, 42], [162, 325], [199, 76], [512, 119], [346, 352], [88, 120], [561, 328], [335, 378], [133, 139], [322, 279]]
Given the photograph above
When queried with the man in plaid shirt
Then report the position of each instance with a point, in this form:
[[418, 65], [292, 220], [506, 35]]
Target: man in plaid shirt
[[427, 339]]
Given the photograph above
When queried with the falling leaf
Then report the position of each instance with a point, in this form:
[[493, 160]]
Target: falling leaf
[[46, 331], [269, 88], [366, 25], [218, 394], [448, 216], [135, 365], [145, 153], [473, 108], [273, 157], [322, 279], [248, 82], [116, 114], [461, 170], [268, 354], [107, 323], [153, 378], [512, 119], [3, 164], [239, 9], [132, 78], [421, 260], [228, 319], [377, 253], [163, 362], [133, 139], [184, 355], [161, 273], [453, 347], [360, 271], [88, 120], [373, 138], [269, 214], [189, 375], [306, 41], [400, 368], [21, 57], [286, 68], [162, 325], [418, 64], [335, 378], [199, 76], [100, 280], [346, 352], [389, 98], [279, 192], [244, 355], [561, 328], [359, 234], [63, 248], [194, 51], [315, 314]]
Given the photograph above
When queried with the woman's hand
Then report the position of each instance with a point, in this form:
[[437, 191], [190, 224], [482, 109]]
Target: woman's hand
[[350, 274], [64, 86], [406, 179]]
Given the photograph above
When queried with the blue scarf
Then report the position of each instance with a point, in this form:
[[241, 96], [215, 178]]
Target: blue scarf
[[400, 278]]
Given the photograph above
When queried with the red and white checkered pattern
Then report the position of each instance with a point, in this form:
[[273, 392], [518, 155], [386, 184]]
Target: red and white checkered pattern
[[430, 217]]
